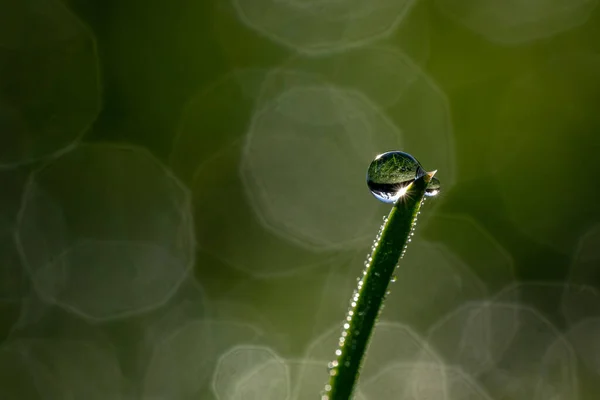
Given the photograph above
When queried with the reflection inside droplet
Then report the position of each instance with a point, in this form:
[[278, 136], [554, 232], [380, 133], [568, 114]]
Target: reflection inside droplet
[[391, 173]]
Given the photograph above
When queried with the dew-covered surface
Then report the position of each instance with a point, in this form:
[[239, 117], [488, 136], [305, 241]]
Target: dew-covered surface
[[185, 211]]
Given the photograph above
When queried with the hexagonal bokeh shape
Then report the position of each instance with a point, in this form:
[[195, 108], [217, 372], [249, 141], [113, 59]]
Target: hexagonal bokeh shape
[[304, 152], [381, 72], [105, 231], [518, 21], [538, 363], [408, 381], [316, 27], [474, 336], [227, 228], [49, 80], [185, 359], [251, 372]]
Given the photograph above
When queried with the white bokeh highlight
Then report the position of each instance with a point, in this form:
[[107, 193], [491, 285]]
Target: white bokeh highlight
[[475, 336], [185, 358], [539, 363], [518, 21], [106, 231], [408, 381], [251, 373], [303, 153], [383, 73], [323, 26]]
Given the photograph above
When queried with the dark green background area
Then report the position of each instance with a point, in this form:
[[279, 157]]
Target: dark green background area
[[526, 131]]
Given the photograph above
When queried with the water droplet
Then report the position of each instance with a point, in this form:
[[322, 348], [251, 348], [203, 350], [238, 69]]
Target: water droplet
[[390, 174], [394, 278]]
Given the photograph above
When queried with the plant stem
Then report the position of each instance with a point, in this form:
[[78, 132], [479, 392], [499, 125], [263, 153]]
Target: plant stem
[[367, 300]]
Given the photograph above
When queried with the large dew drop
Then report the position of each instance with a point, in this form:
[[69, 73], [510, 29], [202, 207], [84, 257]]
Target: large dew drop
[[390, 174]]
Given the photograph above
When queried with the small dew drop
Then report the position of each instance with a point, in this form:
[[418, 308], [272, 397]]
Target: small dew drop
[[338, 352], [394, 278]]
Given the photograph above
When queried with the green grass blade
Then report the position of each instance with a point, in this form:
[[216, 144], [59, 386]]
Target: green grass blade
[[367, 300]]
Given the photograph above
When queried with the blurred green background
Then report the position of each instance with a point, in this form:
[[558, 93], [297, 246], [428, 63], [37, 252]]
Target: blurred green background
[[184, 212]]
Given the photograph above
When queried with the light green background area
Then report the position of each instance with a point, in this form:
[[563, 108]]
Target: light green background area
[[212, 143]]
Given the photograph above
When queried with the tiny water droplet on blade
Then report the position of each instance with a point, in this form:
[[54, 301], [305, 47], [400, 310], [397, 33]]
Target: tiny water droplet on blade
[[390, 174]]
